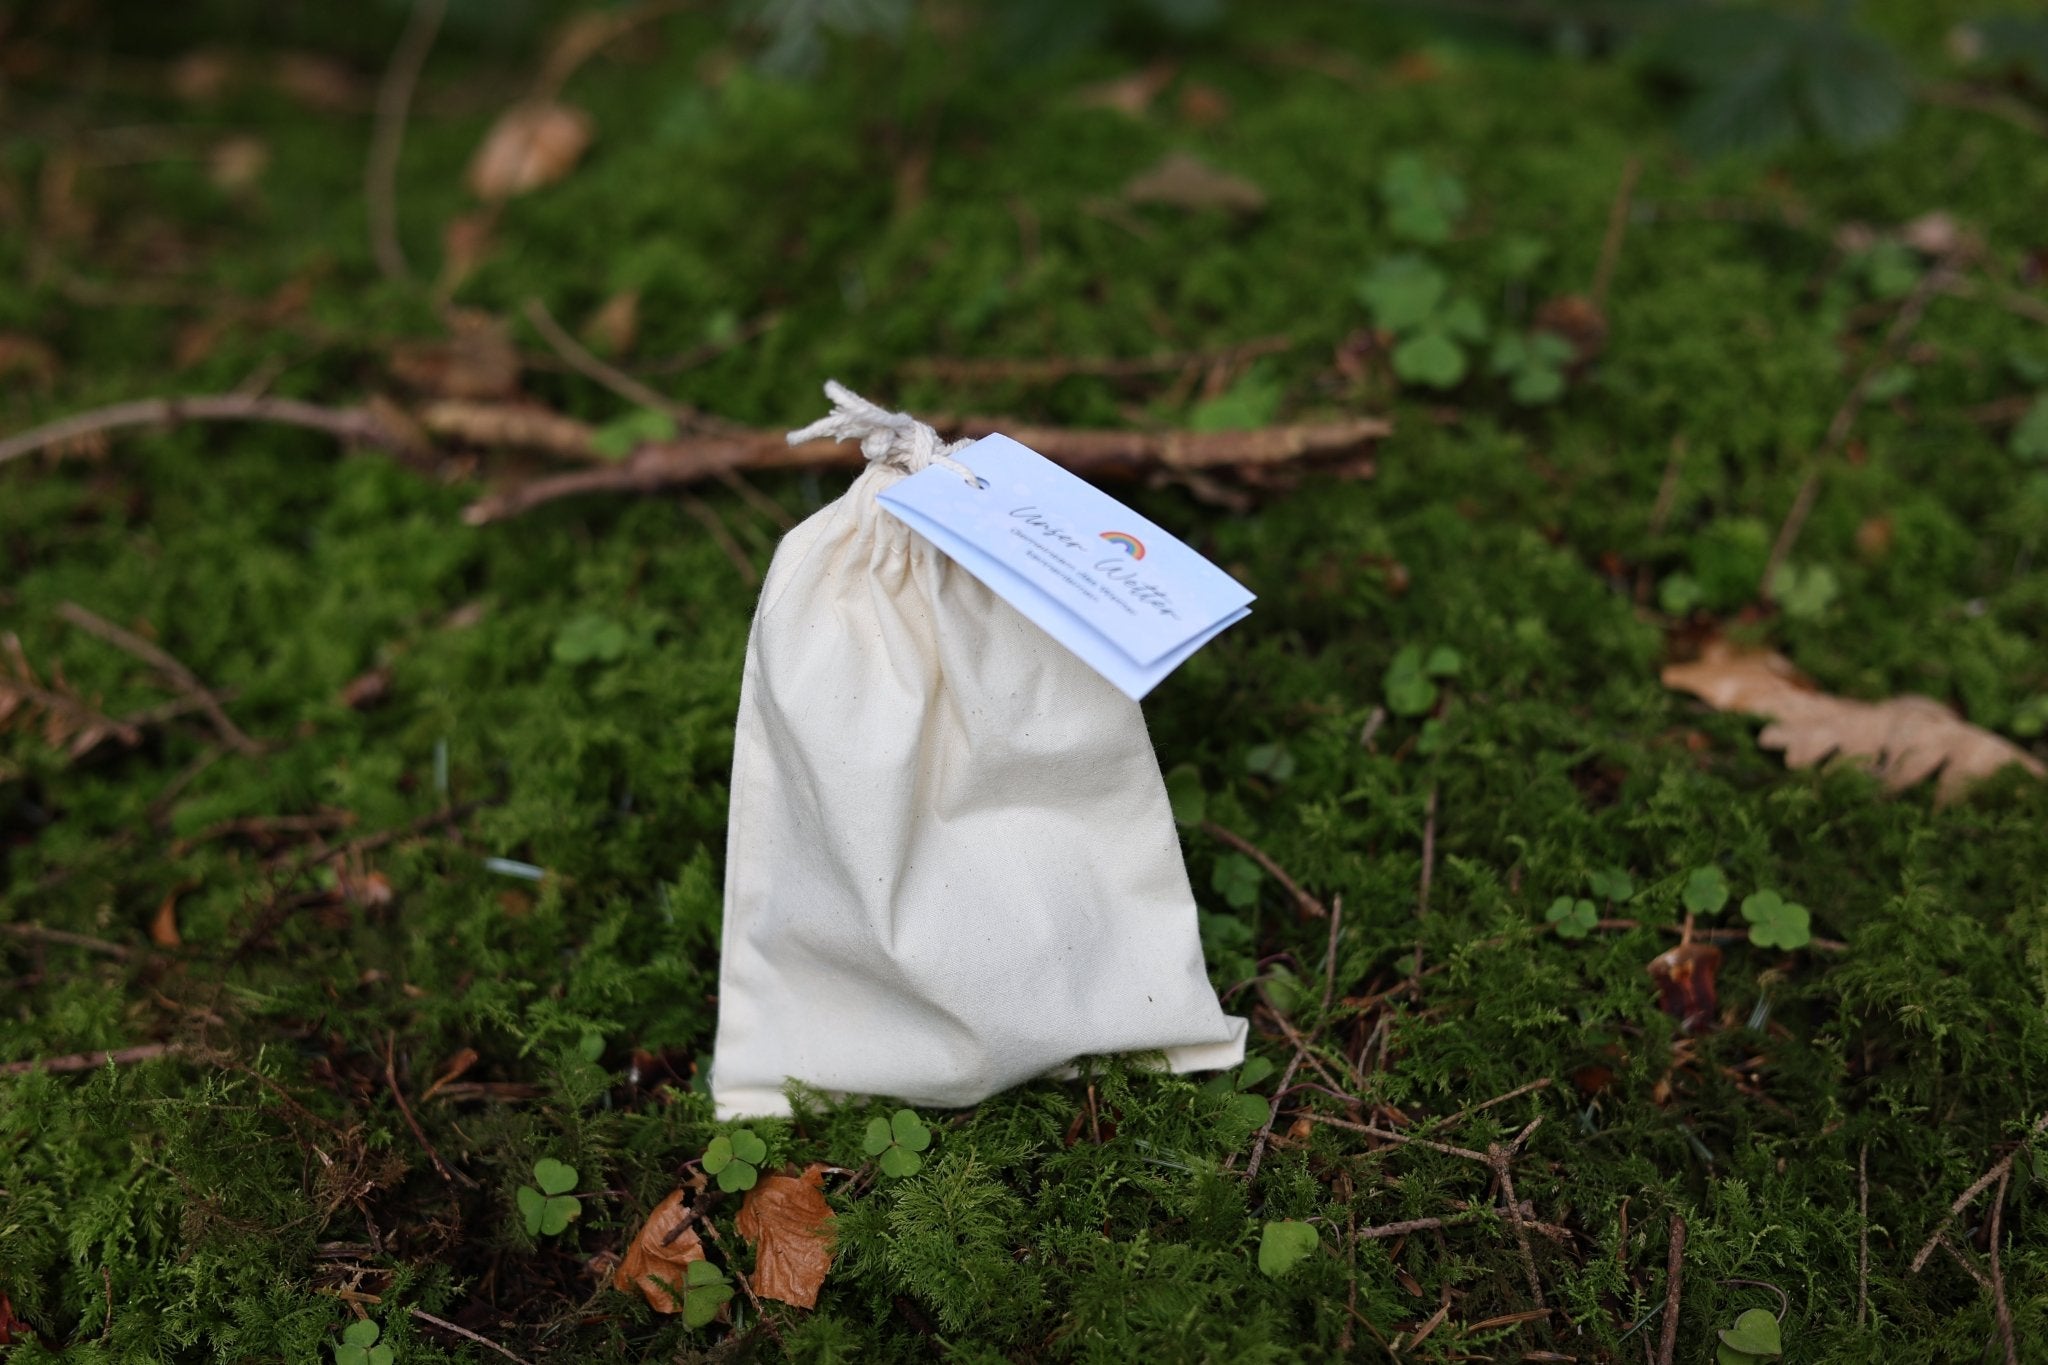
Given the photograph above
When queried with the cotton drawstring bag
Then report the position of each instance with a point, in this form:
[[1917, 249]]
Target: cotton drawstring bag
[[951, 866]]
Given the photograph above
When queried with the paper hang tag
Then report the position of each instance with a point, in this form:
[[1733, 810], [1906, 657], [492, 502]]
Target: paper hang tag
[[1119, 591]]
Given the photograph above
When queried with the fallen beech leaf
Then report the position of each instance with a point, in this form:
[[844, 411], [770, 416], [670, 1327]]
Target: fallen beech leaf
[[1687, 983], [1903, 740], [659, 1259], [788, 1221], [366, 689], [1184, 181], [531, 145]]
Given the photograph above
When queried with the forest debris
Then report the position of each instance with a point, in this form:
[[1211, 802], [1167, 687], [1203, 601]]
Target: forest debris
[[238, 161], [22, 354], [534, 143], [394, 104], [476, 361], [789, 1223], [181, 679], [163, 926], [1686, 983], [660, 1255], [1183, 180], [1903, 739], [70, 722]]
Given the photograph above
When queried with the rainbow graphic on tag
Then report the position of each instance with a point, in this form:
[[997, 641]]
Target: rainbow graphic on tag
[[1126, 542]]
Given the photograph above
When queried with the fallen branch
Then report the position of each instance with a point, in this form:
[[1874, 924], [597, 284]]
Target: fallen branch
[[352, 426], [180, 677], [1999, 1306], [1674, 1275], [424, 1316], [36, 933]]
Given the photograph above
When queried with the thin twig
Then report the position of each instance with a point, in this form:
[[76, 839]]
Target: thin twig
[[394, 103], [1934, 282], [1039, 370], [1502, 1160], [580, 358], [1542, 1083], [89, 1061], [1998, 1303], [391, 1079], [1428, 853], [1388, 1135], [1251, 1167], [1617, 228], [1330, 956], [36, 933], [732, 1263], [1970, 1267], [1307, 904], [424, 1316], [354, 426], [179, 676], [1999, 1171], [1674, 1276]]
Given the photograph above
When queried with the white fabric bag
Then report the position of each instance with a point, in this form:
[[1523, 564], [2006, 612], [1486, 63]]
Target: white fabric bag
[[951, 866]]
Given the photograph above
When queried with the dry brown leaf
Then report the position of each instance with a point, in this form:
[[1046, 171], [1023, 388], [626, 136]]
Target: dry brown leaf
[[1204, 105], [1185, 181], [661, 1254], [202, 75], [1686, 983], [531, 145], [365, 690], [789, 1223], [1904, 740], [235, 163]]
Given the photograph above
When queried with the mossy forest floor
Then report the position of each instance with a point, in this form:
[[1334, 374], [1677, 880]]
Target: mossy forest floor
[[310, 931]]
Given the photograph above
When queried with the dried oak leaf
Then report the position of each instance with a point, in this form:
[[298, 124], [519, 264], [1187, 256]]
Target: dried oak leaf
[[1686, 978], [1902, 739], [532, 144], [1185, 181], [789, 1223], [660, 1256]]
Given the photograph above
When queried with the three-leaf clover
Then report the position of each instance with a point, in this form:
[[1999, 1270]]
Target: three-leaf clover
[[1534, 366], [1775, 922], [1270, 760], [1754, 1337], [550, 1208], [620, 437], [1423, 204], [1237, 879], [1805, 592], [358, 1345], [735, 1158], [1706, 891], [1573, 918], [1412, 299], [1253, 1108], [590, 639], [1185, 795], [1284, 1245], [897, 1140], [1612, 884], [705, 1291], [1411, 678]]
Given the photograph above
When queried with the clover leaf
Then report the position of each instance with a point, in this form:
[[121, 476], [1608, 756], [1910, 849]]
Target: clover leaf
[[1755, 1336], [1423, 204], [1805, 592], [705, 1291], [590, 638], [358, 1345], [621, 436], [1403, 292], [1534, 366], [1237, 879], [1612, 884], [735, 1159], [1270, 760], [1706, 891], [897, 1140], [1411, 298], [1284, 1245], [1573, 918], [1253, 1108], [1775, 922], [1410, 679], [550, 1208], [1184, 793]]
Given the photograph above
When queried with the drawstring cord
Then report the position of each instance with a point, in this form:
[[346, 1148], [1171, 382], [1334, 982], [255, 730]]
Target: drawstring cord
[[886, 437]]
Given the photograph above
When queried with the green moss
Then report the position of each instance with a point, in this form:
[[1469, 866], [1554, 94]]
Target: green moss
[[568, 682]]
